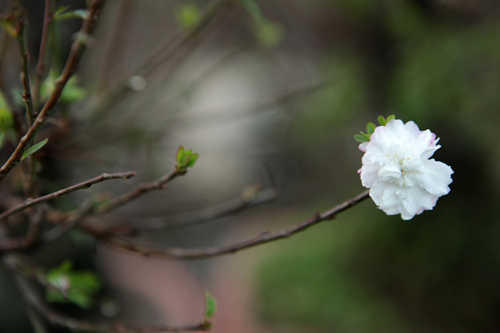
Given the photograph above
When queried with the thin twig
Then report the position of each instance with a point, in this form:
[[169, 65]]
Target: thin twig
[[67, 72], [243, 202], [34, 301], [64, 227], [25, 77], [40, 68], [31, 239], [263, 238], [83, 185], [22, 267], [143, 188], [217, 117], [160, 55]]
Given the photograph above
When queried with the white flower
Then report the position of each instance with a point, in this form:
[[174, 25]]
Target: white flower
[[397, 169]]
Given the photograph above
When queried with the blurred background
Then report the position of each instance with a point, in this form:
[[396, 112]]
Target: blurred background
[[289, 91]]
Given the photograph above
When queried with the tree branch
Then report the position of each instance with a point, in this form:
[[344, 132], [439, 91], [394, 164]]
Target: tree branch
[[40, 68], [160, 55], [263, 238], [243, 202], [143, 188], [67, 72], [84, 185]]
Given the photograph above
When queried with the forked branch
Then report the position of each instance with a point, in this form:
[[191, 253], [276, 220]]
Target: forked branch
[[67, 72], [84, 185], [265, 237]]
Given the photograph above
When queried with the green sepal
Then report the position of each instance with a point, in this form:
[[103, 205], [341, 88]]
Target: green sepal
[[382, 120], [370, 127], [360, 138], [391, 117], [34, 148]]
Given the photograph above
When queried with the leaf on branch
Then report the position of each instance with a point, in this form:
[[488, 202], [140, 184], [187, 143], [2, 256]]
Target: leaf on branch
[[77, 287], [9, 27], [188, 16], [34, 149], [71, 93], [185, 159], [61, 14], [210, 305], [253, 9], [268, 33]]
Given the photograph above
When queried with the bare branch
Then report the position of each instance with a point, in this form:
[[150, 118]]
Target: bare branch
[[64, 227], [25, 77], [34, 301], [67, 72], [158, 184], [40, 68], [162, 54], [265, 237], [84, 185], [243, 202], [22, 267], [30, 240]]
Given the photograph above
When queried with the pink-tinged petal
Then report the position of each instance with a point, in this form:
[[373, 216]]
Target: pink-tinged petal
[[362, 146], [397, 168]]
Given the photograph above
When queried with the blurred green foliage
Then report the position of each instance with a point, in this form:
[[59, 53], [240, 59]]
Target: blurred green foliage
[[79, 286], [368, 272]]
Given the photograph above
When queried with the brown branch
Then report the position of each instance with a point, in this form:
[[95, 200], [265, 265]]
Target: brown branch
[[67, 72], [263, 238], [217, 117], [160, 55], [65, 226], [40, 68], [143, 188], [34, 301], [25, 77], [243, 202], [30, 240], [22, 267], [83, 185]]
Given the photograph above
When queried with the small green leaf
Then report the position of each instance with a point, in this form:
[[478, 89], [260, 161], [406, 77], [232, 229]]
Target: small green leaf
[[34, 148], [185, 159], [253, 9], [370, 127], [360, 138], [367, 136], [180, 154], [60, 11], [79, 287], [382, 121], [9, 27], [391, 117], [192, 160], [188, 16], [269, 34], [79, 13], [210, 305]]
